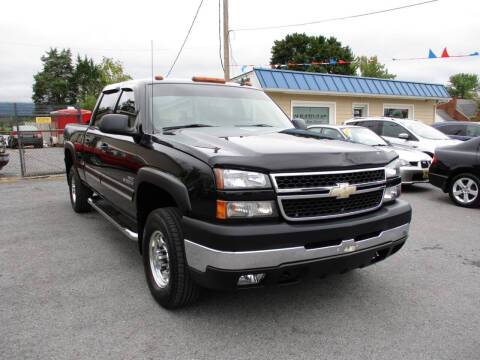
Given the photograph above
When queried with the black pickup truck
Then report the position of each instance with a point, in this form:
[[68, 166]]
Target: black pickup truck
[[221, 190]]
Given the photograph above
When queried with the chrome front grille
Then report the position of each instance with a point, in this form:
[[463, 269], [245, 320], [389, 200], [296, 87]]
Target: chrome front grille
[[319, 195]]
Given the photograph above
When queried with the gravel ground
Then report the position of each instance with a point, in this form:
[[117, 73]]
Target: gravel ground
[[72, 287]]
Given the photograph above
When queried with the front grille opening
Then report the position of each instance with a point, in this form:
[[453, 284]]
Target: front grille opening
[[322, 180], [329, 206], [320, 244], [367, 236]]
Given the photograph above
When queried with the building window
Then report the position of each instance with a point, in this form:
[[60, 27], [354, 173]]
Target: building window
[[400, 111], [360, 110], [314, 112]]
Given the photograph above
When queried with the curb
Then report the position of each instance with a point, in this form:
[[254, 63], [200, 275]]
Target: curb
[[44, 177]]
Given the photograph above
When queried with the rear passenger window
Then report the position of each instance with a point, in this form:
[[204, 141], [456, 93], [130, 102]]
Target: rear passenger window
[[453, 129], [126, 106], [106, 106], [375, 126], [392, 130], [332, 133]]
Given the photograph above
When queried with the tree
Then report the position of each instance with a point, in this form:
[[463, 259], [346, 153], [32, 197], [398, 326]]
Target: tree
[[88, 80], [464, 85], [301, 48], [370, 67], [112, 71], [55, 84]]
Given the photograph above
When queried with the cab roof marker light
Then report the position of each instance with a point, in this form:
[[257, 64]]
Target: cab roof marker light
[[208, 79], [158, 77]]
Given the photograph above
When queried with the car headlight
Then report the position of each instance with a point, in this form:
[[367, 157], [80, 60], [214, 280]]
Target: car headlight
[[403, 162], [238, 179], [393, 169]]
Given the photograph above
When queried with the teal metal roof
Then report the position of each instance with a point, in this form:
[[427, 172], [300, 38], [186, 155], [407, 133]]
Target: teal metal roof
[[300, 80]]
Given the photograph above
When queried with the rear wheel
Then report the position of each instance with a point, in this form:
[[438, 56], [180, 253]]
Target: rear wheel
[[465, 190], [164, 260], [79, 193]]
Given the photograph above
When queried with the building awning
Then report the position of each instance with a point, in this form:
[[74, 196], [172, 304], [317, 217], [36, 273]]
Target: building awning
[[330, 84]]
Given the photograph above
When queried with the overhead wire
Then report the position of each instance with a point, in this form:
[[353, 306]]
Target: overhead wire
[[335, 19], [186, 38]]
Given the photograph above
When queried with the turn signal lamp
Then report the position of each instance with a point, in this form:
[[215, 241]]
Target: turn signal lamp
[[208, 79]]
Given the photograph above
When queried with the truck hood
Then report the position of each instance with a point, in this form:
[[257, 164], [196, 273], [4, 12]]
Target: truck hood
[[272, 150]]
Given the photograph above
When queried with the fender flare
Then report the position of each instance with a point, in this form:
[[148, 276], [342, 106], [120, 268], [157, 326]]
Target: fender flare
[[167, 182], [68, 146]]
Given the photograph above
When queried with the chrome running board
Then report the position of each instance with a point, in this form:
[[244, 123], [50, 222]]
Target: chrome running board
[[125, 231]]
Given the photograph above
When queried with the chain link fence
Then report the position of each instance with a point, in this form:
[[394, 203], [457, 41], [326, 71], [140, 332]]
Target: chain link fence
[[32, 138]]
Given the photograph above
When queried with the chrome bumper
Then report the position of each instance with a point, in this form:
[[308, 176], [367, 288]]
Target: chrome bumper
[[199, 257]]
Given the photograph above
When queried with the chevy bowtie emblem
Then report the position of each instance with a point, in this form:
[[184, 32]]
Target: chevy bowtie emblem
[[343, 190]]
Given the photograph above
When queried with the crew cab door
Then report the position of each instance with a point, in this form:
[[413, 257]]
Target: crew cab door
[[112, 164]]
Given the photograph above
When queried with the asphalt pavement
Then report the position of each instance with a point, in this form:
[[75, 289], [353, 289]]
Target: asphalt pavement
[[72, 287]]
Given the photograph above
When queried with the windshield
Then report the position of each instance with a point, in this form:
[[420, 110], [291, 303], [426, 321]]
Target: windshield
[[425, 131], [198, 105], [363, 136]]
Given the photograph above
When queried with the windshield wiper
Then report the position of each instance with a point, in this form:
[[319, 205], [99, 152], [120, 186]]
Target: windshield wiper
[[166, 128], [257, 125]]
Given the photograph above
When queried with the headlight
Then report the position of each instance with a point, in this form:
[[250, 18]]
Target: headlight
[[244, 209], [237, 179], [393, 169], [403, 162]]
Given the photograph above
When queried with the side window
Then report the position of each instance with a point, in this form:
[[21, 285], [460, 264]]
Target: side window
[[473, 130], [332, 133], [375, 126], [453, 129], [393, 130], [106, 106], [126, 106]]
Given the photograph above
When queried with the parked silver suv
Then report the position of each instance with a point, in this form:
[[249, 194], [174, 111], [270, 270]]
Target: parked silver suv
[[404, 132]]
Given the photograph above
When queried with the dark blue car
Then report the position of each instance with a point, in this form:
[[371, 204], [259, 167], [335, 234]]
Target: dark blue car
[[460, 130]]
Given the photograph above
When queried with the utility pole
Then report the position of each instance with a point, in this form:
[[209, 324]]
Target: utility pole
[[226, 42]]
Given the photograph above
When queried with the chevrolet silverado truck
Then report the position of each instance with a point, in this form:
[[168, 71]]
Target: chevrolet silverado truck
[[221, 190]]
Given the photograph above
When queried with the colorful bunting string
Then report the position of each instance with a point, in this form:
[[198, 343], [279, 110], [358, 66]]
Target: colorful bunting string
[[445, 54], [329, 62]]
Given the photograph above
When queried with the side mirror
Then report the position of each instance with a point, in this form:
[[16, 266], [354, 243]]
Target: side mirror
[[116, 124], [404, 136], [299, 124]]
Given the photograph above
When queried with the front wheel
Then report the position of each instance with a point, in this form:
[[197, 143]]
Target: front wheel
[[465, 190], [164, 260]]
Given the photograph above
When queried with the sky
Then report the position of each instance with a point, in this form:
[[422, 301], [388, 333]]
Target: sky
[[124, 30]]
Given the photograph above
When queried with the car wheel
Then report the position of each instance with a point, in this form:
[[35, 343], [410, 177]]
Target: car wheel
[[164, 260], [465, 190], [79, 193]]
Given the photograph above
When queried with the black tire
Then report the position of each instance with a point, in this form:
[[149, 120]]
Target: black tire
[[179, 290], [471, 184], [79, 193]]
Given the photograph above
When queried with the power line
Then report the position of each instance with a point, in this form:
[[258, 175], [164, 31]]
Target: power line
[[336, 19], [186, 38], [220, 35]]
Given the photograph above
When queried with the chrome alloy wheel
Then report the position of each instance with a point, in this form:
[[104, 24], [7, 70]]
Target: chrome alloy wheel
[[158, 255], [465, 190], [73, 190]]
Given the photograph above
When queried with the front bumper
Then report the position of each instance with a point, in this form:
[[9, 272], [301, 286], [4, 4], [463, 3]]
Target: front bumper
[[413, 174], [218, 254]]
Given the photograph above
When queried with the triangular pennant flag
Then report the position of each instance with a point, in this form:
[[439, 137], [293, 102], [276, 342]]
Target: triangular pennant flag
[[243, 68], [332, 61], [341, 62], [445, 53], [474, 54], [431, 55]]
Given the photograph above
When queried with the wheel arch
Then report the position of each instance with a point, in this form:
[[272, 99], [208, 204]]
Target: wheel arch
[[458, 171], [156, 189]]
